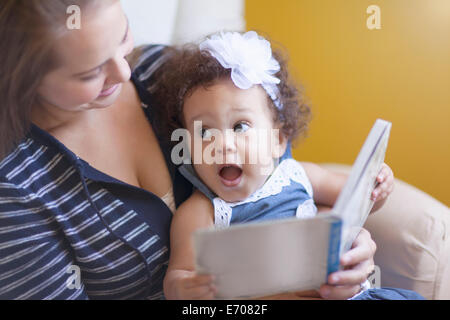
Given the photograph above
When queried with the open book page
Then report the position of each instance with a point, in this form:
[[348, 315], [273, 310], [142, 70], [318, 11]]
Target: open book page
[[354, 204]]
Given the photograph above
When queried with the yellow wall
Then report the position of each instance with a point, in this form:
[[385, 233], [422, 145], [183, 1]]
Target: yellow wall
[[353, 75]]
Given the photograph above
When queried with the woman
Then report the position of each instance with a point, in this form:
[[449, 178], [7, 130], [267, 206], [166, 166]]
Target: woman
[[87, 188]]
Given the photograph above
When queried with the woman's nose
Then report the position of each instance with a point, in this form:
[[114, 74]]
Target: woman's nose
[[119, 71]]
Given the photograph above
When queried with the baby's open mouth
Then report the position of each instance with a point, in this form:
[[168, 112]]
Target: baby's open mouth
[[230, 175]]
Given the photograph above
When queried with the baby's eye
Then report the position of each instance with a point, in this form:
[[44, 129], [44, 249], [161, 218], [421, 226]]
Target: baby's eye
[[205, 134], [241, 127]]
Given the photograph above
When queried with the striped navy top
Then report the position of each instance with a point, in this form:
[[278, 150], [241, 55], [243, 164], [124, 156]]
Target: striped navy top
[[68, 231]]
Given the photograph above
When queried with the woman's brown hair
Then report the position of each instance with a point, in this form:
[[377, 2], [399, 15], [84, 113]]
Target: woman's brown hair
[[28, 32], [187, 68]]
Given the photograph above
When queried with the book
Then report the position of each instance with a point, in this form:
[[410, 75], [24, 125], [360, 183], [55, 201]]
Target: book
[[265, 258]]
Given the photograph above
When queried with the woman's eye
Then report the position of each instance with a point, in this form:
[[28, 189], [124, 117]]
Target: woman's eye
[[93, 76], [241, 127], [127, 36], [89, 78], [205, 134]]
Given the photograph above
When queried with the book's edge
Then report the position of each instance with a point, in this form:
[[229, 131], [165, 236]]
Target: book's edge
[[261, 224], [334, 245], [377, 132]]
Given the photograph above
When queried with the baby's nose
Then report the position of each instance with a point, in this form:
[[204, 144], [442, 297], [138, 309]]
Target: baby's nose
[[228, 142]]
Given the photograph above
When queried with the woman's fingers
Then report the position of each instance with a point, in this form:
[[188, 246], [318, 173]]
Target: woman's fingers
[[354, 276], [338, 292], [363, 248], [358, 264]]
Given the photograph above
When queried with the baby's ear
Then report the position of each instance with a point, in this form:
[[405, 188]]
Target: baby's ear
[[279, 143]]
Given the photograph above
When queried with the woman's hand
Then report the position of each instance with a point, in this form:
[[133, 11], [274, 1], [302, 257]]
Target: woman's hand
[[357, 264], [187, 285]]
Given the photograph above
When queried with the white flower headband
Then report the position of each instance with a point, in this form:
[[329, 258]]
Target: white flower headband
[[249, 57]]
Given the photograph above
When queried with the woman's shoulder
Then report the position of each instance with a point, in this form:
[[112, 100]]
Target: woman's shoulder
[[32, 159], [21, 172], [145, 61], [26, 154]]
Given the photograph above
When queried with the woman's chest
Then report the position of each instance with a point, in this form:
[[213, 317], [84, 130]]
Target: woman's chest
[[131, 153], [120, 142]]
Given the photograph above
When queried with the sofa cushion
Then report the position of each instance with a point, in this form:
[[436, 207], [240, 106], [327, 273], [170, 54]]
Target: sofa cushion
[[412, 235]]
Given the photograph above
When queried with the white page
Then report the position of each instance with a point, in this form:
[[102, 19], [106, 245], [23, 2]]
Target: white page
[[354, 204]]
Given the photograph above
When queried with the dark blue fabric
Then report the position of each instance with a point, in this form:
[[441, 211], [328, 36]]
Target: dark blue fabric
[[57, 212], [150, 207], [388, 294], [288, 153]]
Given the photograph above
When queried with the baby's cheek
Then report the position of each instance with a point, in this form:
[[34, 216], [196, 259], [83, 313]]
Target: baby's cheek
[[207, 174], [255, 152], [257, 174]]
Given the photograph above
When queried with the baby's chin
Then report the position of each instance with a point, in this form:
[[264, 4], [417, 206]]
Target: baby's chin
[[237, 194], [234, 196]]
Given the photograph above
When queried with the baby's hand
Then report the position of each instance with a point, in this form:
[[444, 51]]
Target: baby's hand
[[194, 286], [385, 185]]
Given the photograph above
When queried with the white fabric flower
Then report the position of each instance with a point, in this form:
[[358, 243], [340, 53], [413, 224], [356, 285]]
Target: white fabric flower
[[250, 59]]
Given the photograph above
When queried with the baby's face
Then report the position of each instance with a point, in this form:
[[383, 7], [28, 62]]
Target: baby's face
[[234, 140]]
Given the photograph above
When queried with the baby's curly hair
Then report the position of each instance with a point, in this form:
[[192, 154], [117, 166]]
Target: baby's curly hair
[[187, 68]]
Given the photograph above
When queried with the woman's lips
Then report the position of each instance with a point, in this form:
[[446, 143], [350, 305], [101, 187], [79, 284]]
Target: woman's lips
[[108, 91], [230, 175]]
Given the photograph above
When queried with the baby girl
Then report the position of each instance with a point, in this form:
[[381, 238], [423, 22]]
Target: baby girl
[[233, 95]]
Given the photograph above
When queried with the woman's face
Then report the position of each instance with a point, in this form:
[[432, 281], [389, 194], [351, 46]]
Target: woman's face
[[92, 65]]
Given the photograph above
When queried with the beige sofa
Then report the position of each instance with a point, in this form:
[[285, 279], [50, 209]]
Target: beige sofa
[[412, 233]]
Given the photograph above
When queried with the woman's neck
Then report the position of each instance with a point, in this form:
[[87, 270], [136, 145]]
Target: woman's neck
[[51, 118]]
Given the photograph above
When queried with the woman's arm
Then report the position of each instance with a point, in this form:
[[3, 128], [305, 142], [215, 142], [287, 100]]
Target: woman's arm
[[181, 281], [36, 261]]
